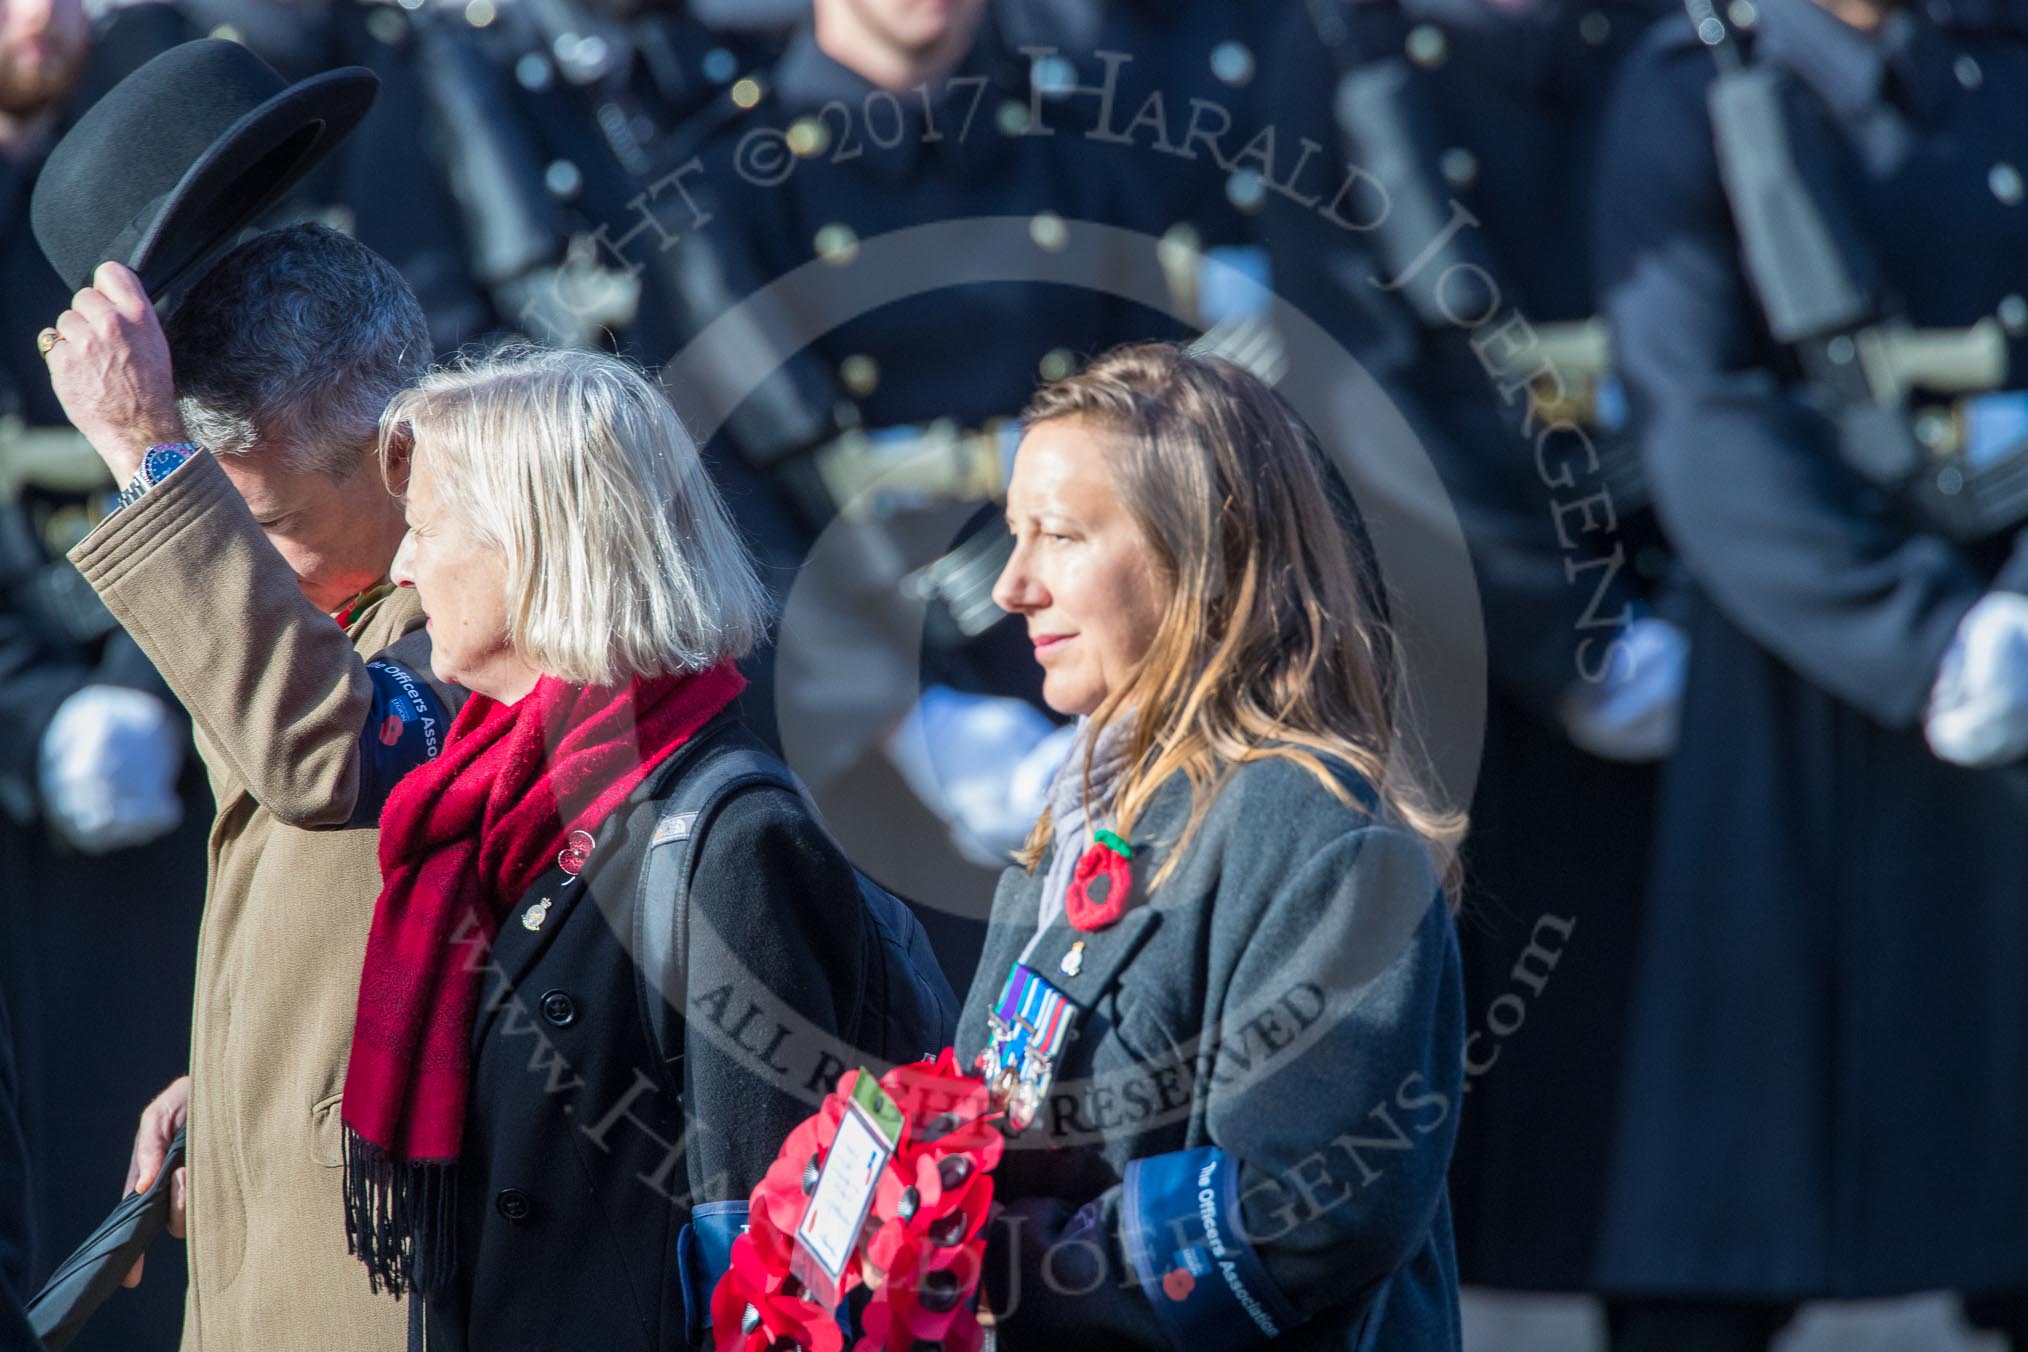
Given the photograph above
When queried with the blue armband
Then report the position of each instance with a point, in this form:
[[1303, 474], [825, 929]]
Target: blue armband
[[405, 726], [703, 1255], [1180, 1222]]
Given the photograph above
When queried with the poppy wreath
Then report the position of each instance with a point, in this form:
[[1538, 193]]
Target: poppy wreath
[[922, 1249]]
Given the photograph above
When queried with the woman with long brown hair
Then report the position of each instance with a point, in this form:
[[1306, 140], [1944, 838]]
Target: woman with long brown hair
[[1220, 997]]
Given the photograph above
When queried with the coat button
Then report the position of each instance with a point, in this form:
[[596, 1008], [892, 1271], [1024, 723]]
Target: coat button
[[2005, 181], [809, 136], [513, 1205], [1427, 46], [1048, 231], [559, 1009], [837, 244], [1460, 167], [860, 373], [1232, 63]]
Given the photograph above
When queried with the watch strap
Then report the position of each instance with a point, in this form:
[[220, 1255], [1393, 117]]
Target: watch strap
[[158, 462]]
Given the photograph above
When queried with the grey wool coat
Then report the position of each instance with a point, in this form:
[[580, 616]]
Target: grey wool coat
[[1267, 1057]]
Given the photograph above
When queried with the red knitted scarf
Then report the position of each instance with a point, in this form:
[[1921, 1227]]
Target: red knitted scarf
[[461, 839]]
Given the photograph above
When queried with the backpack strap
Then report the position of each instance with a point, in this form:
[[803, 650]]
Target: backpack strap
[[720, 763], [710, 771]]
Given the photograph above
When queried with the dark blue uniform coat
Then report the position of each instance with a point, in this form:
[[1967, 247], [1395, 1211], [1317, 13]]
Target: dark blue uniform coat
[[821, 165], [1558, 852], [1824, 1089]]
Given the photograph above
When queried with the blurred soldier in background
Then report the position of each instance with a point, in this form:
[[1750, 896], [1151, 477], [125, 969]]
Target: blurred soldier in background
[[1457, 274], [1814, 250], [881, 116], [96, 922], [1101, 64], [1169, 97], [515, 130]]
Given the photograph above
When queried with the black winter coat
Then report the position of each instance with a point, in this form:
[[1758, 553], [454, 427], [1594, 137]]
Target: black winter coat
[[584, 1154]]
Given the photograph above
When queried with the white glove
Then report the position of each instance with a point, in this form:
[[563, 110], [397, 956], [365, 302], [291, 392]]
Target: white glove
[[981, 762], [109, 762], [1634, 713], [1978, 709]]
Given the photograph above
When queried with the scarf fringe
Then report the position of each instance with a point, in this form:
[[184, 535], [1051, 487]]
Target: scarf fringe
[[400, 1218]]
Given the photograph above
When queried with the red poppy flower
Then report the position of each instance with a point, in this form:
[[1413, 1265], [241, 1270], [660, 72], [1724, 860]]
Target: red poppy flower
[[940, 1207], [784, 1192], [1107, 861], [927, 1091], [962, 1334], [757, 1305], [923, 1254], [925, 1301]]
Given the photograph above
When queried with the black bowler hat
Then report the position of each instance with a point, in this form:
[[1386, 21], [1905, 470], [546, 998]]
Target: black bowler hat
[[165, 170]]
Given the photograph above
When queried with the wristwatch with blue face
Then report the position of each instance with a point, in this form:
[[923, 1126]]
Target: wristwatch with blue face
[[157, 464]]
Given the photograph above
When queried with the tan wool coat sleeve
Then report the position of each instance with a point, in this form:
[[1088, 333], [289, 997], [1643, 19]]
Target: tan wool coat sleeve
[[279, 696]]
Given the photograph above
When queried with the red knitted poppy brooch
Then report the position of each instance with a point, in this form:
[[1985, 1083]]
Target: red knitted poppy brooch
[[1099, 888]]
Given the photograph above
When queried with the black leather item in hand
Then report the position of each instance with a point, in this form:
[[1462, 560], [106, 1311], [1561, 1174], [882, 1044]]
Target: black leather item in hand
[[88, 1278]]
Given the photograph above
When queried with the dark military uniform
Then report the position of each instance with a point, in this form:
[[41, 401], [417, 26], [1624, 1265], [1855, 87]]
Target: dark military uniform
[[512, 147], [1824, 1091], [806, 167], [1194, 64], [514, 138], [1500, 107], [860, 163], [94, 969]]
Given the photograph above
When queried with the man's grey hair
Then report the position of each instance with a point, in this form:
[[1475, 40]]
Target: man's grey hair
[[296, 342]]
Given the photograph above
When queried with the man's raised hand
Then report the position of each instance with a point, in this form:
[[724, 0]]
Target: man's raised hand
[[109, 366]]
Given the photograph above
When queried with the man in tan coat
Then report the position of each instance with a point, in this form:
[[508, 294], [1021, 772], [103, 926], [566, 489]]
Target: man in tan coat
[[249, 560]]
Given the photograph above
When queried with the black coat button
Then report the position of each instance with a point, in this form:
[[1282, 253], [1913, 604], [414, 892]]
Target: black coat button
[[559, 1009], [513, 1205]]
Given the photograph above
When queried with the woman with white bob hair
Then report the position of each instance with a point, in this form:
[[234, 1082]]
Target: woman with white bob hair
[[536, 1125]]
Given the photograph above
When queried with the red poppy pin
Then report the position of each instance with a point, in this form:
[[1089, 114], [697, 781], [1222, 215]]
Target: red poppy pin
[[1099, 887]]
